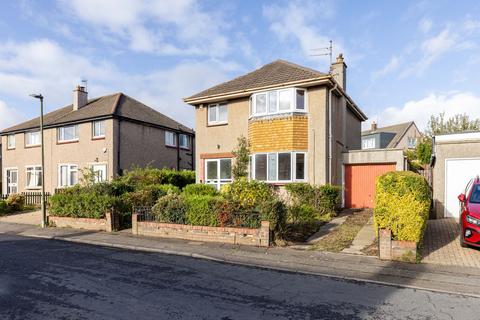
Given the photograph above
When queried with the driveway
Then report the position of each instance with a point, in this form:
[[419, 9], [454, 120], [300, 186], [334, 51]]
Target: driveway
[[441, 245], [31, 218]]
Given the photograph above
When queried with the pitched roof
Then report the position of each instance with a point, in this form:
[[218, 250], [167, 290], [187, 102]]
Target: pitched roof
[[277, 72], [398, 129], [114, 105]]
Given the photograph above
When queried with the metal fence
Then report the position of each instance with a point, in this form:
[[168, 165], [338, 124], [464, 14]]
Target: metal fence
[[31, 198], [144, 213]]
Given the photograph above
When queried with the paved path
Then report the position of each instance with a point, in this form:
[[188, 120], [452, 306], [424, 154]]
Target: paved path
[[441, 245], [31, 218], [48, 279], [455, 279], [365, 237]]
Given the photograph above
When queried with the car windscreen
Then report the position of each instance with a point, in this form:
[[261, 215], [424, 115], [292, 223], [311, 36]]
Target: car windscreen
[[475, 197]]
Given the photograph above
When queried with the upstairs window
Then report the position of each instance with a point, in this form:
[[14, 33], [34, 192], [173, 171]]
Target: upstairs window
[[11, 141], [368, 143], [32, 138], [67, 133], [98, 128], [278, 101], [170, 139], [217, 114], [412, 142], [184, 141]]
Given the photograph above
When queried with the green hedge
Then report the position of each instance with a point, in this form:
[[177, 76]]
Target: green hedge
[[4, 208], [249, 194], [201, 210], [402, 204], [140, 177], [171, 209], [199, 190]]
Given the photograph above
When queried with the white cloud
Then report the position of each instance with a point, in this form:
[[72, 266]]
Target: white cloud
[[169, 27], [297, 19], [420, 110], [9, 116], [44, 66], [425, 25], [392, 66]]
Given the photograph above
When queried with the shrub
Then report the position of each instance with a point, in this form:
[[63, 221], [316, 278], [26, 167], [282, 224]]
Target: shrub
[[301, 213], [148, 195], [141, 177], [15, 202], [249, 194], [201, 210], [199, 190], [274, 211], [171, 209], [81, 203], [4, 208], [322, 199], [402, 204]]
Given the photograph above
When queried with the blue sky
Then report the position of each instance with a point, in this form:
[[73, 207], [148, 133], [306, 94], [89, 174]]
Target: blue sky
[[406, 59]]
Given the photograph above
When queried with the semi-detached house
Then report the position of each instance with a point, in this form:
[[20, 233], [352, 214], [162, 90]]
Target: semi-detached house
[[107, 134], [298, 121]]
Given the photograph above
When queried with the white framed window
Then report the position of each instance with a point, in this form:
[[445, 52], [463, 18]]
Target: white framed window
[[67, 175], [32, 138], [100, 172], [170, 139], [67, 133], [217, 113], [98, 129], [184, 141], [368, 143], [218, 172], [278, 101], [11, 180], [278, 166], [34, 177], [11, 141], [412, 142]]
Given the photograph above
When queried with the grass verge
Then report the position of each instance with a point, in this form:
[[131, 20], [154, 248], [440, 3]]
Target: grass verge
[[343, 236]]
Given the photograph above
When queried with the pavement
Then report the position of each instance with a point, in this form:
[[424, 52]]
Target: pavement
[[441, 245], [50, 279], [433, 277], [31, 218], [364, 238]]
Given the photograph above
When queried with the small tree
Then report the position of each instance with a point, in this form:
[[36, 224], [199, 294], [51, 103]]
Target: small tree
[[457, 123], [241, 153]]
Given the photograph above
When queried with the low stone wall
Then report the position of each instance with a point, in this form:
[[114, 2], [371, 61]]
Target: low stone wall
[[106, 224], [396, 250], [246, 236]]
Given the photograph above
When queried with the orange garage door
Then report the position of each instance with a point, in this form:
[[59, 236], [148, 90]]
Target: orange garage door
[[360, 183]]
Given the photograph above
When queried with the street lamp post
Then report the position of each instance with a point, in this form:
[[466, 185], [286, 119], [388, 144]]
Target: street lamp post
[[44, 211]]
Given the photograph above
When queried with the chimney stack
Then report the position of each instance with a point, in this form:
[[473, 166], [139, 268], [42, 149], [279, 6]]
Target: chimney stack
[[80, 98], [338, 70], [374, 126]]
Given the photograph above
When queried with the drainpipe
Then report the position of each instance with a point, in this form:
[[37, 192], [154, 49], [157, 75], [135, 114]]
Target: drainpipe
[[178, 151], [330, 132]]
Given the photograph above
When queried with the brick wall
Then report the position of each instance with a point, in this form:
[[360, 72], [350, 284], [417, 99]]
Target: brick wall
[[279, 134], [245, 236], [396, 250], [106, 224]]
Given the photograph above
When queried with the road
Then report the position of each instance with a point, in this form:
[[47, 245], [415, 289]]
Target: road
[[49, 279]]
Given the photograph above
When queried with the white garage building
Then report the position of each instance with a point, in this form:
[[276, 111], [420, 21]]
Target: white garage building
[[456, 161]]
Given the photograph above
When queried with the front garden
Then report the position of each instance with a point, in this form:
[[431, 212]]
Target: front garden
[[172, 197], [15, 203]]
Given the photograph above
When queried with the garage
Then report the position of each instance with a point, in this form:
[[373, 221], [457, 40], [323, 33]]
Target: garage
[[456, 161], [361, 169]]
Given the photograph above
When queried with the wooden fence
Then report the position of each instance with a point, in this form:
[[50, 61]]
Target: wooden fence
[[31, 198]]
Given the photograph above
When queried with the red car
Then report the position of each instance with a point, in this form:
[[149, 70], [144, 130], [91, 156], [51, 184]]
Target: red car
[[470, 214]]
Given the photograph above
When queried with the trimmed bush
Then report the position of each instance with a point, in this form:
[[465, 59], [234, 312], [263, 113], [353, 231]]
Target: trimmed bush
[[148, 195], [402, 204], [4, 208], [302, 213], [171, 208], [199, 190], [249, 194], [140, 177], [16, 202], [201, 210]]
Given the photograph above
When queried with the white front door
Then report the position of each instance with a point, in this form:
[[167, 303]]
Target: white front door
[[100, 171], [12, 181], [458, 172]]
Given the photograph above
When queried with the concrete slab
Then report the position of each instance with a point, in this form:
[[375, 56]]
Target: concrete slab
[[365, 237], [30, 218]]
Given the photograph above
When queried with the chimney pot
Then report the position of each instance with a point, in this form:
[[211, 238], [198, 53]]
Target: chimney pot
[[374, 126], [80, 97]]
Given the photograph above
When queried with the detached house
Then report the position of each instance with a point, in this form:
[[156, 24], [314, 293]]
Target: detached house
[[398, 136], [298, 121], [106, 134]]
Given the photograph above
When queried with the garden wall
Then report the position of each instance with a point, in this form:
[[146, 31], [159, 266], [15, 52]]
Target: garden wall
[[389, 249], [107, 224], [245, 236]]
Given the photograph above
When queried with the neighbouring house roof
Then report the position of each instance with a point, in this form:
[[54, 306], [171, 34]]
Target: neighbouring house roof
[[117, 105], [276, 73], [398, 129]]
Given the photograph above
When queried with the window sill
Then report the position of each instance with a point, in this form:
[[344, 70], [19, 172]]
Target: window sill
[[67, 142], [8, 149], [33, 188], [185, 148], [98, 138], [216, 124], [170, 146], [32, 146]]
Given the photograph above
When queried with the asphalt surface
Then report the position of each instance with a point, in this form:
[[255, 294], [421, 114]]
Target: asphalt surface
[[50, 279]]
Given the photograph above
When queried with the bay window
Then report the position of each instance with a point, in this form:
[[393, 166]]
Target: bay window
[[217, 114], [67, 175], [278, 166], [278, 101], [218, 172], [67, 133], [32, 138], [34, 177]]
